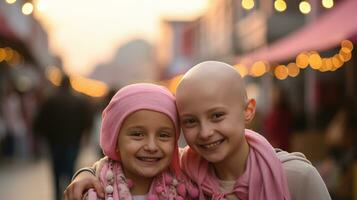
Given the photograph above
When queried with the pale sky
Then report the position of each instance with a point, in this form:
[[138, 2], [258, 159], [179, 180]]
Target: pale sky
[[87, 32]]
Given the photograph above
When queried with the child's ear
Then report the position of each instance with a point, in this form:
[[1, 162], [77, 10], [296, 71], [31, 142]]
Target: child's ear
[[249, 111]]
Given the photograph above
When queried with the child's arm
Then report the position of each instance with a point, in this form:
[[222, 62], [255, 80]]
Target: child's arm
[[83, 181], [305, 182]]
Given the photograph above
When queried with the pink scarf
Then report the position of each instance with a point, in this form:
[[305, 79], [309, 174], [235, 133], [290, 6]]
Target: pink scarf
[[263, 179], [165, 186]]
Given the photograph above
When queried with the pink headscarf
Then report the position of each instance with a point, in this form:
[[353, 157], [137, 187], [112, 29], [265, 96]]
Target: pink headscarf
[[263, 179], [170, 183]]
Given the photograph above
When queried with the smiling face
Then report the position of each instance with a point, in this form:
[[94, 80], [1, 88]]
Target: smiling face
[[213, 124], [146, 144], [213, 111]]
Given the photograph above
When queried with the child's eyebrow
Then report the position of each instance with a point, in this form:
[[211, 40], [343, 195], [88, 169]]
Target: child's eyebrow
[[167, 128], [136, 126], [215, 109]]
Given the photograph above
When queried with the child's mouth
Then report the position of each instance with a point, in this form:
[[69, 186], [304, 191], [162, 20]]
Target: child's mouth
[[211, 145], [148, 159]]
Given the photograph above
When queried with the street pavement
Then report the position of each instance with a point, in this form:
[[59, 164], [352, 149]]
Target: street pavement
[[32, 180]]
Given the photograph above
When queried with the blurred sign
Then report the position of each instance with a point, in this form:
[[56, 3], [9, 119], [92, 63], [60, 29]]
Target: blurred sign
[[250, 32]]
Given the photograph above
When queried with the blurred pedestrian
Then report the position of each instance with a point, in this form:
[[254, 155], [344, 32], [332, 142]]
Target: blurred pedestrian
[[62, 120], [15, 140], [340, 139], [277, 124]]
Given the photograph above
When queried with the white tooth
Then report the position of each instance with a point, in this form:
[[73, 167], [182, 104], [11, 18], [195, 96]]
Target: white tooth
[[212, 144]]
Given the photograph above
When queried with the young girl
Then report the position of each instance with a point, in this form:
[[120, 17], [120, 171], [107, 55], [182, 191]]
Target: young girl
[[139, 138]]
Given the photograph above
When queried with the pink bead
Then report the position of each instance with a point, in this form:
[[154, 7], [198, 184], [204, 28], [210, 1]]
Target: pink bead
[[159, 189], [181, 190], [168, 179], [193, 192], [179, 198], [130, 183], [152, 197]]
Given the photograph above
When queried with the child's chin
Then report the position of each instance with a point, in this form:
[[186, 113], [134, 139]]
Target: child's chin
[[151, 173], [213, 158]]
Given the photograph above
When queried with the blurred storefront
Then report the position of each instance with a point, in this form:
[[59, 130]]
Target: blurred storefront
[[24, 58], [260, 39]]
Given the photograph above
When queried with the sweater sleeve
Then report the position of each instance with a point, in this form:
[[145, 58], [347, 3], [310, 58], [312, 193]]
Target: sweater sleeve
[[98, 165], [304, 181]]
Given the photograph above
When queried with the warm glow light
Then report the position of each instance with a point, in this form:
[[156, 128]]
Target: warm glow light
[[248, 4], [41, 5], [89, 87], [305, 7], [15, 58], [345, 56], [10, 1], [27, 8], [347, 46], [280, 5], [336, 62], [54, 75], [281, 72], [323, 67], [327, 3], [258, 69], [329, 64], [68, 23], [8, 54], [2, 54], [174, 82], [302, 60], [242, 70], [293, 69], [315, 61]]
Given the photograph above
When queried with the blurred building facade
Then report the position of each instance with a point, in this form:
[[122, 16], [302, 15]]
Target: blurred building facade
[[24, 58], [229, 33]]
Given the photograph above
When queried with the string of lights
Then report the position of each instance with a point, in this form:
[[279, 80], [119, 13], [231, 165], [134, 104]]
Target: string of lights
[[302, 61], [282, 72], [281, 5]]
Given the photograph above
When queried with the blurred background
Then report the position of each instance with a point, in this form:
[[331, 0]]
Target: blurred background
[[61, 61]]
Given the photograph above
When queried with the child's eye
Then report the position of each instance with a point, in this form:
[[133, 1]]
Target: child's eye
[[217, 116], [136, 133], [165, 135], [189, 122]]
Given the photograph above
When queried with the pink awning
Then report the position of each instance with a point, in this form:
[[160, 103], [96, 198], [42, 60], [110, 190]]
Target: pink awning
[[324, 33]]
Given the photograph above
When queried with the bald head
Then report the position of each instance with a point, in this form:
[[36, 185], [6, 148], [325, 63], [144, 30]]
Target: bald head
[[212, 77]]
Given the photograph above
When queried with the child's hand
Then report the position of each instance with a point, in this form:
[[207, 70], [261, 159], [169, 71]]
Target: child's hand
[[81, 184]]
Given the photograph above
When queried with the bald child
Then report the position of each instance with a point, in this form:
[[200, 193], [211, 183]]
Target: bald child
[[226, 160]]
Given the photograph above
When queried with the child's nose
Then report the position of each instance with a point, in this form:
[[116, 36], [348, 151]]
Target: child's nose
[[206, 131], [151, 145]]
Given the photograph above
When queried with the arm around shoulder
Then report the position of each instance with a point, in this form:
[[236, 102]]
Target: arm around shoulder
[[305, 182]]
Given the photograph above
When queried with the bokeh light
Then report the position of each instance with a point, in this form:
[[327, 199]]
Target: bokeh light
[[248, 4], [258, 69], [281, 72], [280, 5], [10, 1], [327, 3], [302, 60], [293, 69], [305, 7], [315, 60], [27, 8], [242, 70]]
